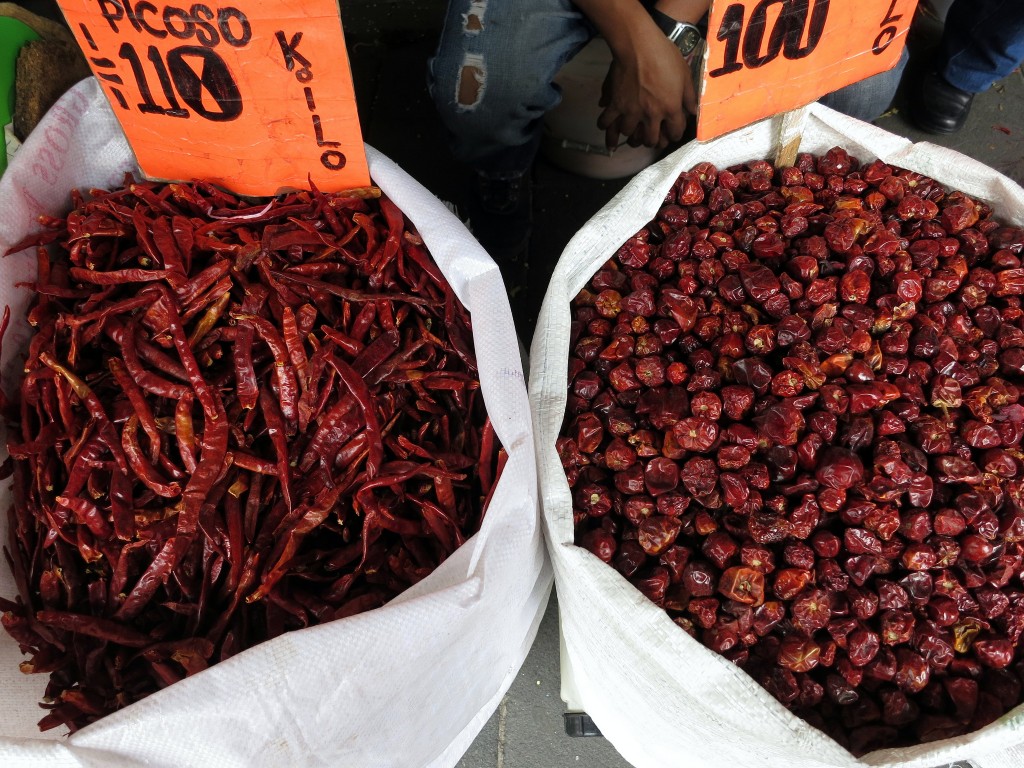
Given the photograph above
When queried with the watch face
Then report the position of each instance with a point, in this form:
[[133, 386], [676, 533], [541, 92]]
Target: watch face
[[688, 39]]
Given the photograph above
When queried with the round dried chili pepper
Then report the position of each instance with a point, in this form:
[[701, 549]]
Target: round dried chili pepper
[[830, 358]]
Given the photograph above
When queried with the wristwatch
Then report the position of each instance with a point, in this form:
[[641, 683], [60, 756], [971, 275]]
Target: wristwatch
[[685, 36]]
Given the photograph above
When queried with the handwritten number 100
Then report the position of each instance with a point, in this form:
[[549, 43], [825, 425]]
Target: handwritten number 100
[[785, 36], [178, 76]]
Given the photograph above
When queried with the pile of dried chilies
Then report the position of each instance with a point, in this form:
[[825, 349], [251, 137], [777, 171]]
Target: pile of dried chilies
[[794, 421], [235, 421]]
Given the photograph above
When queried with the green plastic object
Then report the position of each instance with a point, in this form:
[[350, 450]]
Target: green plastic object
[[13, 35]]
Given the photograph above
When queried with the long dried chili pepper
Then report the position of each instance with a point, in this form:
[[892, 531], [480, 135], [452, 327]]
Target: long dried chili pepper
[[339, 451], [143, 411], [143, 470]]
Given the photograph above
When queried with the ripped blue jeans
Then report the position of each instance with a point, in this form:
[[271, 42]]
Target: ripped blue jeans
[[492, 78], [983, 41]]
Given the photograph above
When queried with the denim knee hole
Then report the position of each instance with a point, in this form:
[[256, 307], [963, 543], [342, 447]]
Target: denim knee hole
[[473, 21], [472, 80]]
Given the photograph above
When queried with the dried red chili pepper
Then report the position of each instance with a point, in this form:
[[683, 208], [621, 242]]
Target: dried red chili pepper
[[230, 428], [826, 361]]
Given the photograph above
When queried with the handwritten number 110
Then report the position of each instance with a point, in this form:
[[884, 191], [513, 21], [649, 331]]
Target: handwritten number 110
[[190, 72], [746, 40]]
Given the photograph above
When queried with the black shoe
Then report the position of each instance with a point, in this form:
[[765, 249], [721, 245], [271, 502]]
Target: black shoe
[[940, 107], [500, 212]]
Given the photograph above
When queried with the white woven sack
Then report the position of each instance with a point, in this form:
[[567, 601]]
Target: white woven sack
[[410, 684], [656, 693]]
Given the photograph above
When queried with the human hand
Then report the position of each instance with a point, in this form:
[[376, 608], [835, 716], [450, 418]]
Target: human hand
[[647, 94]]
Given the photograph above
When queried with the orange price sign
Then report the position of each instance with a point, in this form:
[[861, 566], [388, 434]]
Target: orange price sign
[[256, 97], [770, 56]]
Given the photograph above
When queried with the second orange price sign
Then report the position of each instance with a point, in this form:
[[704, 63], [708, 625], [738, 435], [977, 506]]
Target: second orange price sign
[[256, 97], [765, 57]]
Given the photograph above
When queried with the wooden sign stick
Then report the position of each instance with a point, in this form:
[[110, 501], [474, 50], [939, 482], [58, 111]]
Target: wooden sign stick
[[788, 135]]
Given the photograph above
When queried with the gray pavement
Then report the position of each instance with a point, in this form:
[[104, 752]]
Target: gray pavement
[[389, 43]]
